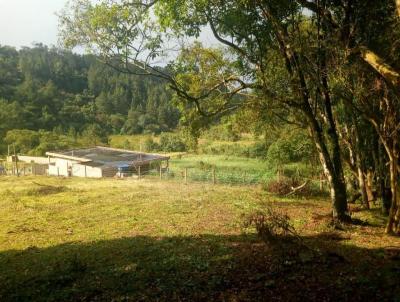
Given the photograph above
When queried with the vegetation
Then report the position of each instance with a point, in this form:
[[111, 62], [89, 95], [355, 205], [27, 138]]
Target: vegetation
[[71, 95], [326, 66], [284, 139], [69, 240]]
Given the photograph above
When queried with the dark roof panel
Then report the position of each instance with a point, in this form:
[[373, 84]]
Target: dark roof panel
[[104, 156]]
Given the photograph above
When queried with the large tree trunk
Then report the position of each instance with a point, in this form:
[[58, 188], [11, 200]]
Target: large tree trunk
[[363, 187], [331, 163], [382, 178], [369, 186], [392, 225], [334, 176]]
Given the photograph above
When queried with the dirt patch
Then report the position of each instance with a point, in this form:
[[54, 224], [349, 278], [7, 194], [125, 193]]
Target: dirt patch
[[41, 190]]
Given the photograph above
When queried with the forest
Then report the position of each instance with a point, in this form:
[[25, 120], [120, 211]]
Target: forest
[[49, 97]]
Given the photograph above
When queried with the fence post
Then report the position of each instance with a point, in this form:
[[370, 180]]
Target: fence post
[[214, 177], [186, 173], [58, 171], [160, 172], [139, 173]]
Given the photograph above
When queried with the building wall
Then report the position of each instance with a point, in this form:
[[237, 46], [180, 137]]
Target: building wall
[[80, 170], [61, 167], [35, 159]]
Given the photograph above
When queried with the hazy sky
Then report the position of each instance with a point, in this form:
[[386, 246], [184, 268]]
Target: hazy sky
[[23, 22]]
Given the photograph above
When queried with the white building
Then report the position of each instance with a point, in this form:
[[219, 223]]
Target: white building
[[100, 162]]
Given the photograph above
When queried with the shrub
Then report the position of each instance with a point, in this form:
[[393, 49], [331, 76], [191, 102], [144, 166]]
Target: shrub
[[205, 166], [286, 185], [150, 145], [271, 226], [223, 132], [170, 142], [282, 186], [256, 150], [23, 140], [292, 146]]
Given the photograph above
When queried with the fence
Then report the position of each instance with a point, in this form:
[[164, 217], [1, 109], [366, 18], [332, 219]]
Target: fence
[[22, 169], [213, 175]]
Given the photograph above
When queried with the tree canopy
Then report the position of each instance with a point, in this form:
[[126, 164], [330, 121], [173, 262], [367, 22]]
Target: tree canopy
[[304, 61]]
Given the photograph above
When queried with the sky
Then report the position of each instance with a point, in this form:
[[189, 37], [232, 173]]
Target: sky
[[23, 22]]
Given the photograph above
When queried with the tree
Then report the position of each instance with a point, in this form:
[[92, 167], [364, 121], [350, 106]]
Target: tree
[[257, 34]]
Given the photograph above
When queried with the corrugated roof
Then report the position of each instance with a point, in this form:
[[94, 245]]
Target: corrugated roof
[[104, 156]]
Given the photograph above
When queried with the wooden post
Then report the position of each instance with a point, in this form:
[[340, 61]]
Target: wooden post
[[16, 161], [186, 173], [160, 172], [85, 171], [33, 169], [213, 174], [24, 170], [58, 171], [139, 172]]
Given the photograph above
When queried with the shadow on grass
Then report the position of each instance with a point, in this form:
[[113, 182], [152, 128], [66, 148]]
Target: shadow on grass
[[202, 268]]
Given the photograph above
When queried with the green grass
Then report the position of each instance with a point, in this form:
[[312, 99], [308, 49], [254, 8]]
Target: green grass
[[58, 232], [229, 169], [128, 240]]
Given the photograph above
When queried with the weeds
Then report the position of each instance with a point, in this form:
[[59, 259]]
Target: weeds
[[272, 226], [45, 190]]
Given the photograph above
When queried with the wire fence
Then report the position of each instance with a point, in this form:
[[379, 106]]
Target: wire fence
[[212, 175], [215, 176], [22, 169]]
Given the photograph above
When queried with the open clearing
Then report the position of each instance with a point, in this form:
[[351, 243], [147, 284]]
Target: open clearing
[[151, 240]]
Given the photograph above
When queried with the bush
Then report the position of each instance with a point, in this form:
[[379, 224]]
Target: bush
[[170, 142], [256, 150], [24, 140], [271, 226], [292, 146], [286, 185], [150, 145], [223, 132], [283, 186]]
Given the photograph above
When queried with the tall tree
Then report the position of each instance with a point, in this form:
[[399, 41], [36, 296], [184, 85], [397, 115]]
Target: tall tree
[[257, 35]]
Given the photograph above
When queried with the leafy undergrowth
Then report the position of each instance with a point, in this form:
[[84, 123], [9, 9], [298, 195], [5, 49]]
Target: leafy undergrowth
[[126, 240]]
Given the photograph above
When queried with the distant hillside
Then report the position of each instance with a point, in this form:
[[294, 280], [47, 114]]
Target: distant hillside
[[51, 89]]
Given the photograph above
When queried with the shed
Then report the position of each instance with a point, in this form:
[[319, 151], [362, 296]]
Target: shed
[[102, 162]]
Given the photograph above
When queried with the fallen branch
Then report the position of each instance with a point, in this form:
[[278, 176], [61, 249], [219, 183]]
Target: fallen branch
[[296, 189]]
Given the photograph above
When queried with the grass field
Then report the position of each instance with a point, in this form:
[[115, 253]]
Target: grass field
[[150, 240], [229, 169]]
